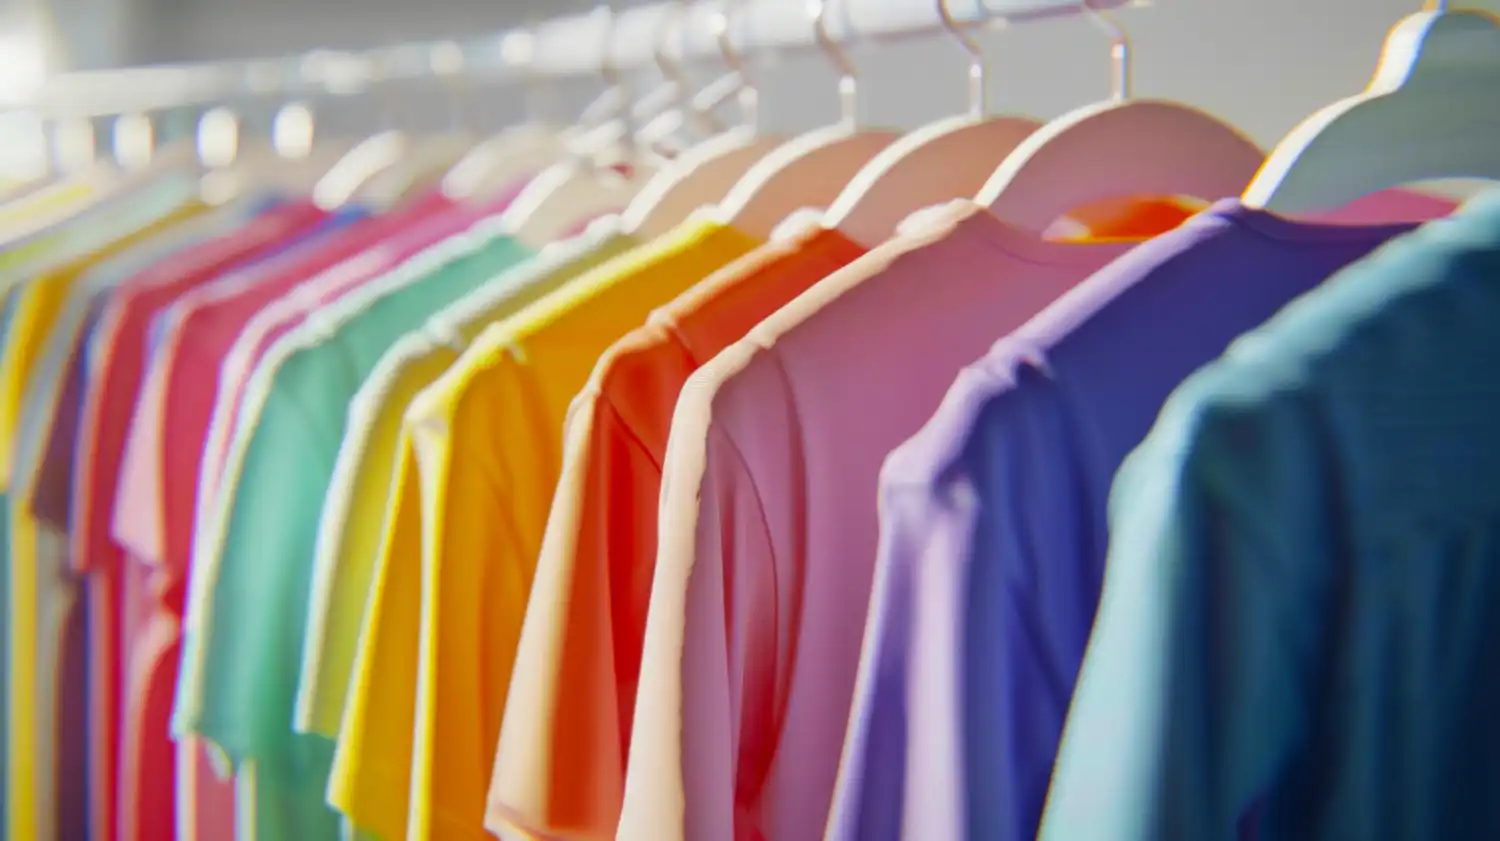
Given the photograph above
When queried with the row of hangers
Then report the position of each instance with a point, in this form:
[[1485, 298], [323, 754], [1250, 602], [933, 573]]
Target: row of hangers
[[1430, 112]]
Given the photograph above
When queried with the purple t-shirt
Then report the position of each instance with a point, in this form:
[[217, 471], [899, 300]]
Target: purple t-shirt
[[993, 527]]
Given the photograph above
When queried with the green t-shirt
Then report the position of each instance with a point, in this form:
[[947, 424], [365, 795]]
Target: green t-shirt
[[247, 614]]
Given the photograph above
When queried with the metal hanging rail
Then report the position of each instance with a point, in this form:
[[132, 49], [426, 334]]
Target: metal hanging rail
[[560, 47]]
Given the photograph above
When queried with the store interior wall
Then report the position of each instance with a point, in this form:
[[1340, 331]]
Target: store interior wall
[[1260, 64]]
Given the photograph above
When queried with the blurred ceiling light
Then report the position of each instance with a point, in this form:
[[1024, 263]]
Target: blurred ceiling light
[[218, 137], [292, 131], [133, 141]]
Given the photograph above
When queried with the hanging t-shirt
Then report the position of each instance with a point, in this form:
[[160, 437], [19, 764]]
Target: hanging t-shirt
[[45, 436], [1296, 632], [487, 437], [120, 598], [993, 522], [30, 808], [560, 763], [197, 338], [351, 525], [193, 334], [248, 600], [768, 521]]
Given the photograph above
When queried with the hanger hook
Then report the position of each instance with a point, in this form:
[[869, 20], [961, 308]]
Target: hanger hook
[[737, 82], [848, 73], [670, 30], [1119, 48], [609, 66], [978, 73]]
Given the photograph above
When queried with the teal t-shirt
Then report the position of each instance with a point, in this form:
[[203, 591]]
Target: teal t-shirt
[[1301, 609], [248, 612]]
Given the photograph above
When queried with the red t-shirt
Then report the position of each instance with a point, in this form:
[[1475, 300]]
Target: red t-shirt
[[105, 602]]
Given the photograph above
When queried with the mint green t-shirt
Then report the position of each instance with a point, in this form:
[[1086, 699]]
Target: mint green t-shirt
[[247, 614]]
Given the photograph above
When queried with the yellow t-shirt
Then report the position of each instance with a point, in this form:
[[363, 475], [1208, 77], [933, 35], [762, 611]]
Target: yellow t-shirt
[[481, 449], [352, 522], [29, 214], [36, 311]]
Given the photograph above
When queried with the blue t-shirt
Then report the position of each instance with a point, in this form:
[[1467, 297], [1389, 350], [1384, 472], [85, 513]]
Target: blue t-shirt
[[1298, 632], [993, 519]]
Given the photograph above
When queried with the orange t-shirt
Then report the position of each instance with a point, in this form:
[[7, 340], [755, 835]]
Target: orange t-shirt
[[560, 765]]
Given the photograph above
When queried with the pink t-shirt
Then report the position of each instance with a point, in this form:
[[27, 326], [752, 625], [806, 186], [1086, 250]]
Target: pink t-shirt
[[768, 521], [152, 639], [116, 603]]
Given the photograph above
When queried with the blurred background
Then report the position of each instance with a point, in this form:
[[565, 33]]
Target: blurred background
[[1260, 64]]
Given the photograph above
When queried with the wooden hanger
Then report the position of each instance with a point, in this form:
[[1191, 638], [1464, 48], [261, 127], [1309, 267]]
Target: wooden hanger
[[704, 174], [1431, 111], [810, 170], [426, 162], [375, 154], [498, 162], [937, 163], [1119, 148]]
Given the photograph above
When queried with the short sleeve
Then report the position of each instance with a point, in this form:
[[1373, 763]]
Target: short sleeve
[[705, 725], [372, 766], [483, 501], [244, 618], [560, 764], [1197, 688]]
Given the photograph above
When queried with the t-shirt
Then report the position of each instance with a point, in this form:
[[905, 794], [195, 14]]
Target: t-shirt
[[1296, 632], [206, 337], [768, 522], [44, 442], [243, 326], [560, 763], [993, 528], [121, 597], [30, 807], [487, 439], [252, 560], [352, 522], [5, 317], [372, 766], [54, 236]]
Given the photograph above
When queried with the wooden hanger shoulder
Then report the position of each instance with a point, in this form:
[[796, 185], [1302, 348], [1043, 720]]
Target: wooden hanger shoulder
[[938, 163], [1119, 149], [499, 161], [807, 171], [352, 171], [424, 166], [1432, 111], [699, 178], [565, 196]]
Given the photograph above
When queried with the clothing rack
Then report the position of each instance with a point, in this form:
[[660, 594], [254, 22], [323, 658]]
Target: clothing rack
[[562, 47]]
